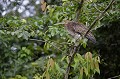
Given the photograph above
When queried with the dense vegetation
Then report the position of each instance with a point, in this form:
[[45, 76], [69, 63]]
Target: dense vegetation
[[36, 47]]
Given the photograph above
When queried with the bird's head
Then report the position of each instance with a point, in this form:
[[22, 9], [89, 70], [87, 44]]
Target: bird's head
[[65, 23]]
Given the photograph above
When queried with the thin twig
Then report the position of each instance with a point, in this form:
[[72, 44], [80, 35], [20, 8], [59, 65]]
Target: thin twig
[[37, 40], [63, 43], [94, 5], [114, 77], [46, 42], [76, 48]]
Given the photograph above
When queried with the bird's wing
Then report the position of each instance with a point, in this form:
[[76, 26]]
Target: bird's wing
[[82, 29], [91, 37]]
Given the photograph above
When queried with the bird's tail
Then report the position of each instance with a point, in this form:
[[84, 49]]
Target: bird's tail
[[91, 38]]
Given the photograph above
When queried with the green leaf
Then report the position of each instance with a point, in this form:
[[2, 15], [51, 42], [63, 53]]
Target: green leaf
[[67, 59], [34, 64], [64, 0], [23, 21], [63, 58], [84, 42], [12, 33], [57, 67], [46, 46], [23, 48], [23, 55], [47, 75], [86, 71], [18, 76], [97, 67], [20, 35], [76, 59], [26, 35], [80, 57], [76, 65], [2, 32], [81, 73]]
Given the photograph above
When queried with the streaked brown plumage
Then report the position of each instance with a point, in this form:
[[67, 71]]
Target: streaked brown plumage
[[77, 29]]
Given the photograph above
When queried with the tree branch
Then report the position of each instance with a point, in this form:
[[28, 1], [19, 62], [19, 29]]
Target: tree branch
[[76, 48], [78, 11], [73, 48], [46, 42], [71, 57], [114, 77], [100, 16]]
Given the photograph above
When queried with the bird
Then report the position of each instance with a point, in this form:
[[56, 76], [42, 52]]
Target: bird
[[78, 30]]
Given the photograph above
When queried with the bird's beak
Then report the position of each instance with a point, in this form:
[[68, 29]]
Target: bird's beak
[[60, 23]]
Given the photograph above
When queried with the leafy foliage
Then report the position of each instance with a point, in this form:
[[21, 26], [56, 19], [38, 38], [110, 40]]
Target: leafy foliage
[[36, 48]]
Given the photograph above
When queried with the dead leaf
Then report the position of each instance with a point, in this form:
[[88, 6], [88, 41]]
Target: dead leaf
[[43, 5]]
